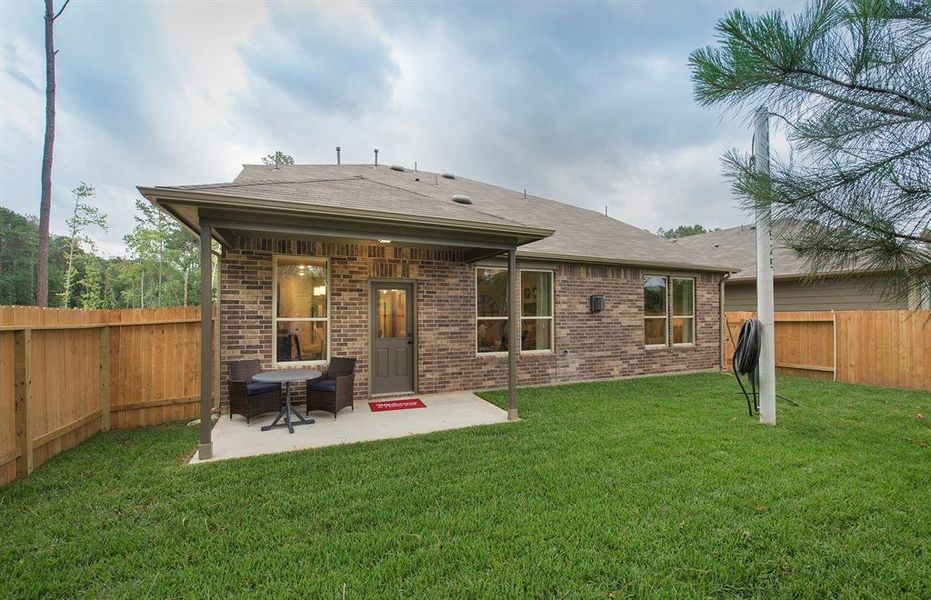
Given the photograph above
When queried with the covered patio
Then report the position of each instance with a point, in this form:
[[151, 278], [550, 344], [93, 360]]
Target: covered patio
[[236, 217], [234, 438]]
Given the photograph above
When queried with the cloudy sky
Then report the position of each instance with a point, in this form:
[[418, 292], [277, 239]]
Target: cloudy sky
[[587, 103]]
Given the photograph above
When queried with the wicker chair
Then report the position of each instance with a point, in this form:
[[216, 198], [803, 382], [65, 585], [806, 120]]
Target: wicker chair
[[249, 398], [333, 391]]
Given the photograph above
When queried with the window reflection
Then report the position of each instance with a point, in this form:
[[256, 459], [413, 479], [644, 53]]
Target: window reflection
[[392, 313], [300, 311]]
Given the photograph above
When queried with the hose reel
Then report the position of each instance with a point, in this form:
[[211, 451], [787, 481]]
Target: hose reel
[[746, 362]]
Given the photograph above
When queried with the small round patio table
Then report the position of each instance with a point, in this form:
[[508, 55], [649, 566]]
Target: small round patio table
[[287, 377]]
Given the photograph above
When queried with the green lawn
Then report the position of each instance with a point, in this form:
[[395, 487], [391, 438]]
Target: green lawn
[[660, 486]]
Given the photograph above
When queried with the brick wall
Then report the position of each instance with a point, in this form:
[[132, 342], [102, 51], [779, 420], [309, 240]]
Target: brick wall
[[588, 346]]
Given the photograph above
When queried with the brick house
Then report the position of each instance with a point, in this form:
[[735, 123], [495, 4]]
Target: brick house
[[409, 272]]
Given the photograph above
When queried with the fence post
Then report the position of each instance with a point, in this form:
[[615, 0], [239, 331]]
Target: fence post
[[834, 343], [24, 402], [105, 378]]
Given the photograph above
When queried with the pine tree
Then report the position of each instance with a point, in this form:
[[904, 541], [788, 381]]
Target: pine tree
[[850, 83], [18, 239], [147, 244], [92, 296], [682, 231], [45, 201], [277, 158], [84, 216]]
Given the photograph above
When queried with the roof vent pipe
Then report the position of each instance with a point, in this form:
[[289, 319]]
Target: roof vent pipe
[[376, 157], [337, 155]]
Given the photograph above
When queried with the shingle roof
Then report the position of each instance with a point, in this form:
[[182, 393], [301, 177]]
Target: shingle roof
[[348, 191], [737, 246], [578, 233]]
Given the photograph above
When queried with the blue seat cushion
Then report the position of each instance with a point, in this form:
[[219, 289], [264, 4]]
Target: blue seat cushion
[[323, 385], [261, 388]]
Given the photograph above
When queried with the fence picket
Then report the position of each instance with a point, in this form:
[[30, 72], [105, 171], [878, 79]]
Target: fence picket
[[88, 370], [151, 357], [877, 347]]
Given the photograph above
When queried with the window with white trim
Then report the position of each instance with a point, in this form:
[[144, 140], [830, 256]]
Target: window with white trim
[[536, 310], [491, 310], [300, 312], [683, 310], [654, 310]]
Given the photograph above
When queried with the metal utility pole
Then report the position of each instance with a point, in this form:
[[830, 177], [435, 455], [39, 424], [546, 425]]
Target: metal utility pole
[[764, 277]]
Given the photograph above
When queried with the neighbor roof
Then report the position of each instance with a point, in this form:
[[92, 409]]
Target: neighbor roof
[[578, 233], [737, 246]]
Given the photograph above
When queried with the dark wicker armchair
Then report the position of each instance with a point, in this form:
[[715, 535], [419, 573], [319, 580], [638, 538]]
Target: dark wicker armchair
[[333, 391], [249, 398]]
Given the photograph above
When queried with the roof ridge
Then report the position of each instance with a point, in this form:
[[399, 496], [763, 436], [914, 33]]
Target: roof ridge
[[396, 187], [233, 184], [472, 181], [560, 203], [432, 199], [342, 164]]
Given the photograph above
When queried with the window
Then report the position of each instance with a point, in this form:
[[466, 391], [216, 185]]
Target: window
[[491, 303], [301, 309], [654, 310], [536, 310], [392, 313], [683, 310]]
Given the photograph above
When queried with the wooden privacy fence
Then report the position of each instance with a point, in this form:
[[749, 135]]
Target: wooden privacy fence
[[877, 347], [67, 374]]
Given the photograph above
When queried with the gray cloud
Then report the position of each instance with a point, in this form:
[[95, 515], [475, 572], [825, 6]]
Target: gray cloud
[[572, 99], [588, 103], [13, 66], [321, 62], [113, 70]]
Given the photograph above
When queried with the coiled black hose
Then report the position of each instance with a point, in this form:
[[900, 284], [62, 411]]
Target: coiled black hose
[[747, 358], [747, 353], [747, 361]]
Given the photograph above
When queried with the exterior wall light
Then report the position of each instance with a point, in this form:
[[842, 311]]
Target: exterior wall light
[[597, 303]]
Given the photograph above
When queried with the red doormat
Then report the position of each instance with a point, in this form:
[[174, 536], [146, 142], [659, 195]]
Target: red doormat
[[381, 405]]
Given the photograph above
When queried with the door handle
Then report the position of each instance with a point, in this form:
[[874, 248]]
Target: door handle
[[410, 338]]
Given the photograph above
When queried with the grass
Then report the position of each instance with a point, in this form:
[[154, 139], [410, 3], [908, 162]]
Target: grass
[[657, 487]]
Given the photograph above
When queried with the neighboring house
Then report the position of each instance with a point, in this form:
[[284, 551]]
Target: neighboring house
[[407, 271], [792, 290]]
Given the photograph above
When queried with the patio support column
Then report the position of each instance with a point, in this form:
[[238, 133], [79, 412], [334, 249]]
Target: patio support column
[[513, 332], [206, 338], [217, 354]]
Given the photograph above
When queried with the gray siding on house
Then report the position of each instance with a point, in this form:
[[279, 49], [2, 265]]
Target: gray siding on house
[[835, 293]]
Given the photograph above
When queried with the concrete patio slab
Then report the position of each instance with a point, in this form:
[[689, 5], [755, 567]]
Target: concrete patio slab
[[233, 438]]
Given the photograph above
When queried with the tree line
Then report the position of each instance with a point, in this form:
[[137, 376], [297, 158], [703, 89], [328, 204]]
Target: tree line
[[162, 267]]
